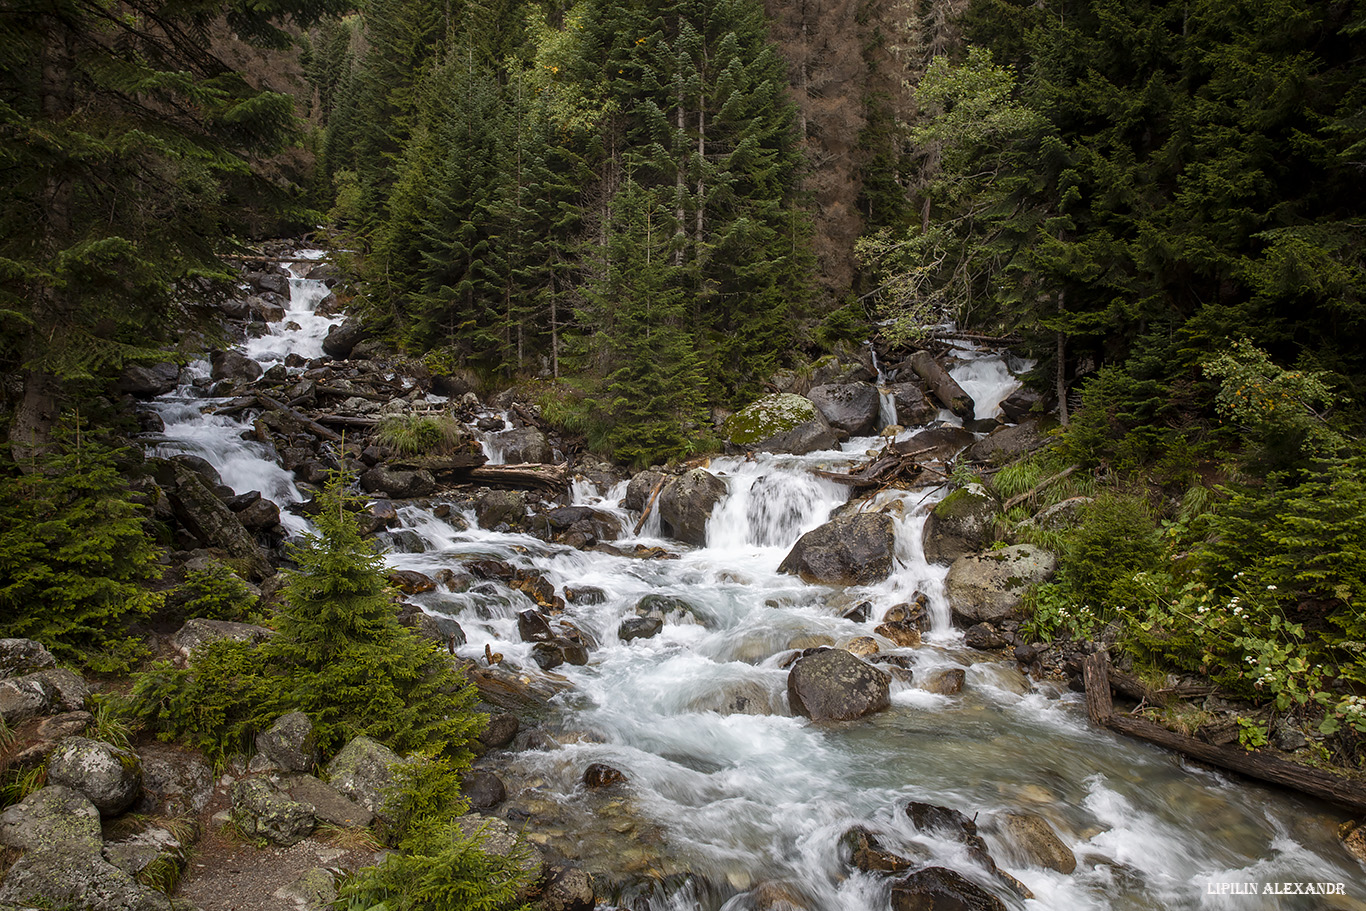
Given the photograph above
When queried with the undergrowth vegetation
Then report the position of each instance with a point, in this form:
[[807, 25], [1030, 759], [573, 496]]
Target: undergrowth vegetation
[[1240, 557], [339, 655], [75, 561]]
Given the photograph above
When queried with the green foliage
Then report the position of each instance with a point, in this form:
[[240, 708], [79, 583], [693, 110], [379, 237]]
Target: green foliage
[[216, 705], [74, 558], [214, 592], [440, 866], [132, 160], [419, 434], [339, 655], [348, 663]]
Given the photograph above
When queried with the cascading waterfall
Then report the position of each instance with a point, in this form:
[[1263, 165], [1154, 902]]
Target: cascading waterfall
[[726, 784]]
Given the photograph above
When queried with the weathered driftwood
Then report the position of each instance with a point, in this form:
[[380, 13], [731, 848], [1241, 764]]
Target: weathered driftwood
[[317, 429], [530, 475], [1336, 789], [347, 420], [881, 471], [654, 495]]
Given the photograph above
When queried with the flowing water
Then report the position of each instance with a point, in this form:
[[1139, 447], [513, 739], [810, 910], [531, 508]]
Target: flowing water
[[724, 782]]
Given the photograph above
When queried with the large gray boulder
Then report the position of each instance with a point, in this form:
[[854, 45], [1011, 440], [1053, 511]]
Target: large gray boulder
[[290, 743], [913, 407], [639, 488], [500, 507], [523, 444], [990, 587], [260, 810], [1007, 443], [329, 804], [833, 685], [398, 483], [937, 443], [364, 771], [25, 697], [109, 777], [343, 337], [149, 381], [174, 782], [851, 408], [848, 550], [960, 524], [23, 656], [58, 830], [686, 503], [233, 365], [49, 816], [782, 422], [210, 520]]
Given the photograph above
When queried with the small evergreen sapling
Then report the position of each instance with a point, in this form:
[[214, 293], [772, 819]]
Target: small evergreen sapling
[[348, 663]]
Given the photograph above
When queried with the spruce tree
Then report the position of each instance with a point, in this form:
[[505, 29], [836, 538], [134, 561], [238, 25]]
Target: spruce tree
[[340, 655], [75, 561], [128, 152]]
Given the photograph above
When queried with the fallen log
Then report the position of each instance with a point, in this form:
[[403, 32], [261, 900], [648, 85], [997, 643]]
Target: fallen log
[[530, 475], [1336, 789], [318, 430], [944, 387], [1037, 488], [347, 420]]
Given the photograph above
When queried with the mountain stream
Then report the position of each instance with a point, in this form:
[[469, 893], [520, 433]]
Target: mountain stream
[[724, 783]]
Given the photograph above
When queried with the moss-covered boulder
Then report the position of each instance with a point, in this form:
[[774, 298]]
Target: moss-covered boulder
[[781, 423], [109, 777], [959, 524], [986, 588]]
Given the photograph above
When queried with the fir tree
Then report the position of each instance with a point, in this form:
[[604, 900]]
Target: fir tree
[[343, 659], [75, 562]]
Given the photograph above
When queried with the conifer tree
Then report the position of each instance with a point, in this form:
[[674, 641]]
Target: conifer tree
[[127, 149], [655, 385], [75, 562], [341, 656]]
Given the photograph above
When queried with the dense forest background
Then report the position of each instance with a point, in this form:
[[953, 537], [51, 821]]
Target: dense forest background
[[665, 202], [639, 212]]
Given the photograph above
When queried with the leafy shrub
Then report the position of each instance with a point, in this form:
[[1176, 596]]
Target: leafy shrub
[[74, 558], [216, 705], [216, 593]]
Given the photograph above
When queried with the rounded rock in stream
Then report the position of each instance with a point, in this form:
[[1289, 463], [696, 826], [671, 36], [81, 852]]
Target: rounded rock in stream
[[848, 550], [639, 628], [686, 503], [833, 685], [941, 889], [851, 408], [601, 775]]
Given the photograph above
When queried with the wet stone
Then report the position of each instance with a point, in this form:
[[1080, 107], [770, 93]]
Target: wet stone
[[484, 790], [601, 775]]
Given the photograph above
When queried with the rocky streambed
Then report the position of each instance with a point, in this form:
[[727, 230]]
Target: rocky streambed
[[767, 681]]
